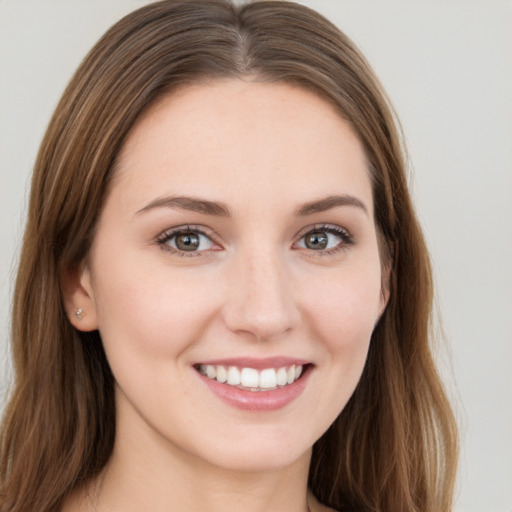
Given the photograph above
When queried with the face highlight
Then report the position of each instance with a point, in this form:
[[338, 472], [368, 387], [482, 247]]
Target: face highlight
[[235, 275]]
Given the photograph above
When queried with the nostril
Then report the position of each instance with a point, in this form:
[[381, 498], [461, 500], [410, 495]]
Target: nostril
[[262, 325]]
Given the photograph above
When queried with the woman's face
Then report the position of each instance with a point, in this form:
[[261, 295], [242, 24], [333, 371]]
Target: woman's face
[[236, 248]]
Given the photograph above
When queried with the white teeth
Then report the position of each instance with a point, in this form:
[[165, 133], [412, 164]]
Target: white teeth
[[249, 378], [291, 374], [233, 376], [282, 377], [269, 378], [211, 372], [222, 374]]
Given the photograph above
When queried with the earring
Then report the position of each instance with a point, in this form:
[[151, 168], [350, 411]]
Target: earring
[[79, 314]]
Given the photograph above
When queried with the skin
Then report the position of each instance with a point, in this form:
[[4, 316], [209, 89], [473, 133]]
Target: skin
[[254, 289]]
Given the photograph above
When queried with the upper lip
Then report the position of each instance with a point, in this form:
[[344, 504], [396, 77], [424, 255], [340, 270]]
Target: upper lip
[[256, 363]]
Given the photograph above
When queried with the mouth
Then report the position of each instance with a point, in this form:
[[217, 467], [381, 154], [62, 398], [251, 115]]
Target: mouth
[[252, 379], [256, 385]]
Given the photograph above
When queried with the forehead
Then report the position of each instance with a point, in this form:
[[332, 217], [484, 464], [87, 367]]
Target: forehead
[[250, 140]]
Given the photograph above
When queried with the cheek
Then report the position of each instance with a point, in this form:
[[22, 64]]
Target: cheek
[[340, 313], [344, 306], [150, 310]]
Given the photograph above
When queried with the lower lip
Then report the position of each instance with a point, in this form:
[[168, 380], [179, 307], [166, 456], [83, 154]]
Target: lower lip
[[258, 400]]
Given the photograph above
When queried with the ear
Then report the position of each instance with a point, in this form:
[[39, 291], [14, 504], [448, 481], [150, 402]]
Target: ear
[[78, 297]]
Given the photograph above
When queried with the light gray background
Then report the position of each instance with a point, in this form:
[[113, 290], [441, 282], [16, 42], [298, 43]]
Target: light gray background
[[447, 66]]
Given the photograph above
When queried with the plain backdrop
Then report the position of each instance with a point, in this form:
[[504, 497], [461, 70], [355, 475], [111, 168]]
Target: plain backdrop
[[447, 66]]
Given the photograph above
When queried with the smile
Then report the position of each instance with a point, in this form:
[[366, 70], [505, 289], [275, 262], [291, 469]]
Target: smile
[[251, 379], [257, 385]]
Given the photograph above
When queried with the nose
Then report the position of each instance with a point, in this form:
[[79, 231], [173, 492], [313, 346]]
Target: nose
[[260, 298]]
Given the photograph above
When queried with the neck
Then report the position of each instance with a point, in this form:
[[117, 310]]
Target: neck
[[196, 487]]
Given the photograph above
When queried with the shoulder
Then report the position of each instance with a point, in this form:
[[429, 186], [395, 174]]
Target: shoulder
[[316, 506]]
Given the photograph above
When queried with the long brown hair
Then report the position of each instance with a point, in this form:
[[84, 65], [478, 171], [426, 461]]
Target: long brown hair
[[394, 446]]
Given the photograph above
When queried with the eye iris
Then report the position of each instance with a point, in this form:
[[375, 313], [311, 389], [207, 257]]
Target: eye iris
[[187, 242], [316, 240]]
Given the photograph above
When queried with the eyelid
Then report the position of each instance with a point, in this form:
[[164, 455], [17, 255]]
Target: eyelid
[[170, 233], [322, 226], [347, 238], [344, 234]]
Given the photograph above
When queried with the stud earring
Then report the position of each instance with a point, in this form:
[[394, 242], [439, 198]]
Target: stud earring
[[79, 314]]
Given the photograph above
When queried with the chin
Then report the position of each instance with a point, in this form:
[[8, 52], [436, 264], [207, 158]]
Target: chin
[[260, 458]]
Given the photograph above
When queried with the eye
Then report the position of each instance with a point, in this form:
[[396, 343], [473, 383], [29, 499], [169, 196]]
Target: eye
[[326, 239], [186, 241]]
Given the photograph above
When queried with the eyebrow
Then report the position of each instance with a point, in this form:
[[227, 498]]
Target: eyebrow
[[218, 209], [329, 203], [192, 204]]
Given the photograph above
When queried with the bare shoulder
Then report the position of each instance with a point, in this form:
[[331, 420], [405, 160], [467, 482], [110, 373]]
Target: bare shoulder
[[322, 508], [316, 506], [72, 504], [78, 501]]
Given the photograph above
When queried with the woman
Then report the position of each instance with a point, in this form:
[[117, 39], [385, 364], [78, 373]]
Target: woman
[[224, 296]]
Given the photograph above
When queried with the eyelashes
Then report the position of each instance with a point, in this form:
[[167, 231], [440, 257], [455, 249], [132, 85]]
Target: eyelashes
[[188, 241], [325, 239], [195, 241]]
